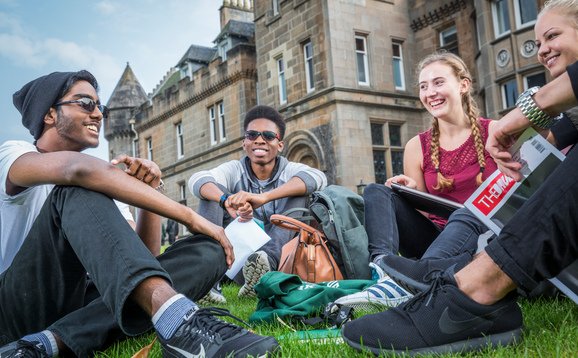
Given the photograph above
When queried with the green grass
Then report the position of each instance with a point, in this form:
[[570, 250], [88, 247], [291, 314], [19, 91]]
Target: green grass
[[551, 331]]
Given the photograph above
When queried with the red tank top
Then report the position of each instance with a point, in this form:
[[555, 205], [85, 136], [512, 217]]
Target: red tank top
[[461, 164]]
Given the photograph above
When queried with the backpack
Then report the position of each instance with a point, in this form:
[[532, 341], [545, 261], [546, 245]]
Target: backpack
[[341, 214]]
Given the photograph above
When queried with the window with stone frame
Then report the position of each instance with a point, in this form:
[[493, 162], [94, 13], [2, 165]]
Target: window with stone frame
[[526, 12], [149, 148], [362, 60], [213, 125], [534, 79], [180, 141], [509, 94], [449, 40], [281, 81], [398, 67], [222, 131], [501, 16], [309, 74], [387, 145], [217, 125], [275, 7]]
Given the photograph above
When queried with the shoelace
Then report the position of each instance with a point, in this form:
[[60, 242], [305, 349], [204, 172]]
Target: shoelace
[[27, 349], [436, 282], [206, 323]]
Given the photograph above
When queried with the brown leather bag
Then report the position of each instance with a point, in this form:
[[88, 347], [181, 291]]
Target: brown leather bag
[[307, 255]]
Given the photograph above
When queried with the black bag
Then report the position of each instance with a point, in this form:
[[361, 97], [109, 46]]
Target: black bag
[[341, 214]]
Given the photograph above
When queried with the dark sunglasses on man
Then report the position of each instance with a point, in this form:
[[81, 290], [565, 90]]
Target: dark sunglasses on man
[[266, 135], [88, 105]]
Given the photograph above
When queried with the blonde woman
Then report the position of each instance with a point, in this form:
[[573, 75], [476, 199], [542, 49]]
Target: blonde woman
[[448, 160]]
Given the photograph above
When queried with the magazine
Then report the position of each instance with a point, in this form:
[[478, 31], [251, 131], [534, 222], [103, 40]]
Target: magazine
[[499, 196]]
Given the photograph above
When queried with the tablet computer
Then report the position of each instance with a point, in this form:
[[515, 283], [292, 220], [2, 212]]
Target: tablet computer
[[427, 202]]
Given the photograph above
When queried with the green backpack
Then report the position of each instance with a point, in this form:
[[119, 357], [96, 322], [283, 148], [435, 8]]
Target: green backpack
[[341, 214]]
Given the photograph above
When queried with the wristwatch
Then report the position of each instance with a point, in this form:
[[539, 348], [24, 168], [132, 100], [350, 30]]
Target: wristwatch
[[223, 199], [526, 103]]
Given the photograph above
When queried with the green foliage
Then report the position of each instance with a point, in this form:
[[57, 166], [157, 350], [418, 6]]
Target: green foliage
[[551, 331]]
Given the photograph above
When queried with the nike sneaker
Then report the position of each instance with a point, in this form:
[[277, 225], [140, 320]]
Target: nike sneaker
[[440, 320], [385, 293], [202, 335], [415, 276], [214, 297], [23, 349], [255, 267]]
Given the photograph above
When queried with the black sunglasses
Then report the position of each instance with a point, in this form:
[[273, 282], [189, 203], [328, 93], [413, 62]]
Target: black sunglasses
[[88, 105], [267, 135]]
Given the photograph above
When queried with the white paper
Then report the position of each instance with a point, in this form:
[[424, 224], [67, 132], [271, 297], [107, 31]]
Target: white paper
[[246, 238]]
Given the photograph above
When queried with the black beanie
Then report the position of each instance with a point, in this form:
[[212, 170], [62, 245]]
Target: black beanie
[[36, 97]]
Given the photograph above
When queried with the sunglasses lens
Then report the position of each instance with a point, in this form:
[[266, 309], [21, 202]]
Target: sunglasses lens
[[269, 136], [87, 104], [251, 135]]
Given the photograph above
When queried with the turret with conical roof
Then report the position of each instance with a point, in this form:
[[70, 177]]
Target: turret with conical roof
[[126, 97]]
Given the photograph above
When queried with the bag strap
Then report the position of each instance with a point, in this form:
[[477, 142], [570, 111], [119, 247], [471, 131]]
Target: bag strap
[[289, 223], [304, 218]]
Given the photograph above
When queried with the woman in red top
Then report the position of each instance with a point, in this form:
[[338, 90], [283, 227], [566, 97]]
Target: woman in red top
[[449, 160]]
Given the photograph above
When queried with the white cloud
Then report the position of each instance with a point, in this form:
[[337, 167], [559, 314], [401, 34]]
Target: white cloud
[[10, 22], [21, 51], [36, 54], [107, 7]]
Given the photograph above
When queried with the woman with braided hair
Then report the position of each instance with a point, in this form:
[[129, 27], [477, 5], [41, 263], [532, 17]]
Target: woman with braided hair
[[448, 160]]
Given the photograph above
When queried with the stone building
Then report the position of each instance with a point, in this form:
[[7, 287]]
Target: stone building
[[342, 73]]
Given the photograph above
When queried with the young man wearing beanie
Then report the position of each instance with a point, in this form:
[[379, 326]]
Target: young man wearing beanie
[[58, 221], [257, 186]]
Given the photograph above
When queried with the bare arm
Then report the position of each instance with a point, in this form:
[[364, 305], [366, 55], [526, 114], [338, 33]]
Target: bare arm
[[71, 168], [554, 98], [148, 224]]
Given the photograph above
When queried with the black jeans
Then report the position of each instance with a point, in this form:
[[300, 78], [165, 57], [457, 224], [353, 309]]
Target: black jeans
[[80, 231], [541, 239]]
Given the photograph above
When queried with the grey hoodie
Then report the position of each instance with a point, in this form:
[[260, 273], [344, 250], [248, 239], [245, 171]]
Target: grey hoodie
[[237, 175]]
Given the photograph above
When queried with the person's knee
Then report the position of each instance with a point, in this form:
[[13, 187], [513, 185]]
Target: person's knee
[[63, 196], [376, 191], [467, 217]]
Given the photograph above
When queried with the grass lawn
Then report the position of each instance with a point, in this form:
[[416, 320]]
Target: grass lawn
[[551, 331]]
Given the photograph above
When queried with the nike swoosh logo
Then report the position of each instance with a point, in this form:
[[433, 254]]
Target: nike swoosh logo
[[449, 326], [189, 354]]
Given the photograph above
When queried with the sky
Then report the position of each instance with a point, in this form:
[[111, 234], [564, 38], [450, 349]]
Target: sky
[[38, 37]]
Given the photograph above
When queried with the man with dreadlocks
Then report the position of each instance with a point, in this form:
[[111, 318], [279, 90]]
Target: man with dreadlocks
[[449, 161]]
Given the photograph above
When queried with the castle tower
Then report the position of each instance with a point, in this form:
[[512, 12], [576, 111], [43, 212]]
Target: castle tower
[[236, 9], [127, 96]]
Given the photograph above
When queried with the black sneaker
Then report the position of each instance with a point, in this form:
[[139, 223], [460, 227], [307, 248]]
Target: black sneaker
[[23, 349], [415, 276], [440, 320], [203, 335]]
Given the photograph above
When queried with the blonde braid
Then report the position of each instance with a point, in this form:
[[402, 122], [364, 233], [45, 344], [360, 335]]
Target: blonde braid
[[443, 182], [473, 113]]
